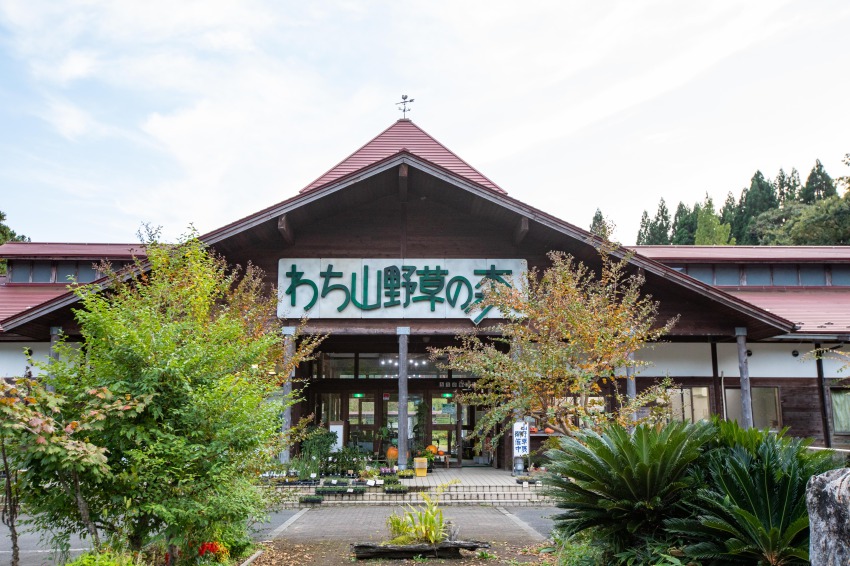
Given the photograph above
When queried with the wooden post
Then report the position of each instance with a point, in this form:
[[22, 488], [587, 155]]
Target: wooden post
[[289, 352], [743, 367], [403, 335], [825, 399]]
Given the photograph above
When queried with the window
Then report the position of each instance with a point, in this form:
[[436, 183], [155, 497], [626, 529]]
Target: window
[[841, 410], [765, 406], [689, 404], [758, 275], [42, 272], [20, 271], [61, 272], [841, 274], [727, 275], [703, 273], [785, 275], [813, 275]]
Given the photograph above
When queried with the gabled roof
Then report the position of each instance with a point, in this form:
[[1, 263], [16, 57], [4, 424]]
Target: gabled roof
[[403, 136], [47, 250], [432, 158]]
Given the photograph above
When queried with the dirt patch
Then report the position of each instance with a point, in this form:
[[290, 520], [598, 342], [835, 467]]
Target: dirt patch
[[336, 553]]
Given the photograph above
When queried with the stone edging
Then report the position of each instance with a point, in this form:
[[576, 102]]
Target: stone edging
[[253, 557]]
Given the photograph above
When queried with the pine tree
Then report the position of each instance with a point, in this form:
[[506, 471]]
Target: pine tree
[[787, 186], [759, 198], [795, 186], [684, 225], [644, 229], [730, 210], [599, 225], [658, 233], [818, 186]]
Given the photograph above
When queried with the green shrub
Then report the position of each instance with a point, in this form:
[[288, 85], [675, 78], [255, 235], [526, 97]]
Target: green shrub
[[311, 499], [102, 559], [624, 485], [577, 550], [396, 488], [753, 507]]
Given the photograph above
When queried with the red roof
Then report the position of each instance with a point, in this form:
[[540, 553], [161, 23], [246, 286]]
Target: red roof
[[403, 136], [15, 299], [816, 311], [687, 254], [23, 250]]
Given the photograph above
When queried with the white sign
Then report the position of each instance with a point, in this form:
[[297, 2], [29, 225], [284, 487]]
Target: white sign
[[391, 288], [521, 439]]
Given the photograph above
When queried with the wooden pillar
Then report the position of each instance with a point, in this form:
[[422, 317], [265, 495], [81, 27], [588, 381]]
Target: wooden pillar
[[825, 399], [289, 352], [403, 335], [743, 367]]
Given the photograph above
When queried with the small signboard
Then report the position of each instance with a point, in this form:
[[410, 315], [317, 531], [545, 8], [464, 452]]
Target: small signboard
[[521, 439], [386, 396]]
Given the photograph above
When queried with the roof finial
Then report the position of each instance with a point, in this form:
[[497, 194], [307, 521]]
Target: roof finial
[[404, 102]]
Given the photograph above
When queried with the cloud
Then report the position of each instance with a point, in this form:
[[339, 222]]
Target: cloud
[[69, 120]]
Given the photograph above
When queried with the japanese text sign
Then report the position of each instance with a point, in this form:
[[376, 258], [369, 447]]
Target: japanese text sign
[[521, 439], [391, 288]]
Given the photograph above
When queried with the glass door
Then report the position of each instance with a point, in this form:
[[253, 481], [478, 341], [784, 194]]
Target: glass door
[[444, 423], [417, 420], [361, 421]]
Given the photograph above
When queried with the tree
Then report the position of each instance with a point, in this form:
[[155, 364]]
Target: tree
[[38, 432], [568, 330], [771, 228], [824, 223], [8, 235], [643, 231], [201, 345], [710, 232], [684, 225], [658, 232], [818, 186], [760, 197], [600, 226], [787, 186]]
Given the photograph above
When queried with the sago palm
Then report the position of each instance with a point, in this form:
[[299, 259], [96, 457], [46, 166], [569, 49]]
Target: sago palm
[[624, 484], [754, 510]]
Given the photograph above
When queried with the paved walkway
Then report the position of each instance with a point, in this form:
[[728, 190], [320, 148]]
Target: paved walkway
[[466, 476], [527, 525]]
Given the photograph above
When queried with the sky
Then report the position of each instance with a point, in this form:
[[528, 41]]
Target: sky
[[197, 113]]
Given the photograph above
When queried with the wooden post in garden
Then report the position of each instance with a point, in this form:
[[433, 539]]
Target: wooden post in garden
[[289, 352], [403, 335], [743, 366]]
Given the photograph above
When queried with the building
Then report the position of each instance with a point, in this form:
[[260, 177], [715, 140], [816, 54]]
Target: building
[[385, 250]]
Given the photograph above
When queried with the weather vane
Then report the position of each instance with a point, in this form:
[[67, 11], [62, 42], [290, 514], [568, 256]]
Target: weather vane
[[404, 102]]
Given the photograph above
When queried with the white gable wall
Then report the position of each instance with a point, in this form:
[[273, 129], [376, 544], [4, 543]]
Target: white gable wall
[[684, 359], [13, 362]]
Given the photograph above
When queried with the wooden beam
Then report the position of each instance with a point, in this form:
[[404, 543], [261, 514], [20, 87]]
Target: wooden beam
[[402, 182], [284, 226], [521, 230]]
